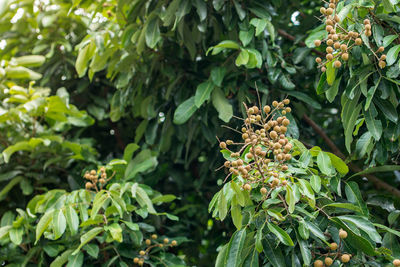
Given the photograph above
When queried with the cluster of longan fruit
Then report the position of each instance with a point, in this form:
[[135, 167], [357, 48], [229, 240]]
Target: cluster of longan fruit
[[340, 41], [153, 243], [266, 146], [95, 179], [328, 261]]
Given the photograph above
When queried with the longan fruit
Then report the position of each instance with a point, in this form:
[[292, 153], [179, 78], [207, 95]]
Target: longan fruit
[[317, 43], [148, 242], [335, 36], [288, 157], [366, 21], [285, 122], [329, 11], [174, 243], [142, 253], [154, 236], [284, 182], [222, 145], [275, 104], [343, 47], [263, 190], [382, 64], [329, 42], [256, 110], [286, 101], [318, 263], [396, 262], [336, 18], [141, 262], [88, 185], [345, 56], [323, 69], [383, 57], [367, 27], [267, 109], [342, 234], [329, 50], [273, 134], [368, 33], [381, 49], [322, 10], [329, 57], [345, 258], [358, 41], [333, 246], [247, 187], [136, 260], [332, 5], [328, 28], [102, 181], [337, 64], [288, 109], [329, 22], [336, 45], [328, 261], [166, 240]]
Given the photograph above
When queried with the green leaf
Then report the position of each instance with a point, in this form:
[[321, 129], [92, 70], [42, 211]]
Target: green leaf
[[20, 72], [338, 163], [387, 109], [273, 253], [353, 195], [163, 198], [59, 223], [387, 40], [315, 181], [350, 114], [387, 229], [259, 237], [290, 198], [143, 199], [259, 24], [392, 54], [374, 126], [129, 150], [217, 75], [252, 259], [222, 206], [82, 61], [222, 105], [222, 256], [385, 168], [281, 234], [314, 229], [333, 90], [330, 73], [185, 110], [98, 203], [203, 93], [356, 241], [115, 231], [363, 224], [286, 82], [235, 248], [242, 58], [246, 36], [316, 34], [236, 213], [303, 230], [15, 235], [239, 194], [29, 61], [304, 250], [43, 223], [75, 260], [324, 163], [92, 250], [153, 32], [343, 206], [62, 259], [87, 237]]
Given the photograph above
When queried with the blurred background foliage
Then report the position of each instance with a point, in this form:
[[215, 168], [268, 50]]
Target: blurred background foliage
[[166, 75]]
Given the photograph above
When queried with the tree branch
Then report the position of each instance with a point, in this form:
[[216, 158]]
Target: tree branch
[[292, 38], [372, 178]]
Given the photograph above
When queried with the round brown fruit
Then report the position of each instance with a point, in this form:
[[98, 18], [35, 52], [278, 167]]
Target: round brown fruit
[[329, 11], [367, 27], [88, 185], [317, 43], [358, 41], [323, 69], [343, 47], [382, 64], [142, 253], [345, 56], [222, 145], [329, 50], [333, 246], [328, 28], [381, 49], [396, 262], [366, 21], [345, 258], [318, 263], [328, 261], [329, 57], [322, 10], [337, 64], [174, 243], [336, 45], [247, 187], [136, 260], [383, 57], [263, 190], [342, 234]]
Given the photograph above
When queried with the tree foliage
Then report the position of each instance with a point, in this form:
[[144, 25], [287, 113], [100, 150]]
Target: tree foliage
[[143, 88]]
